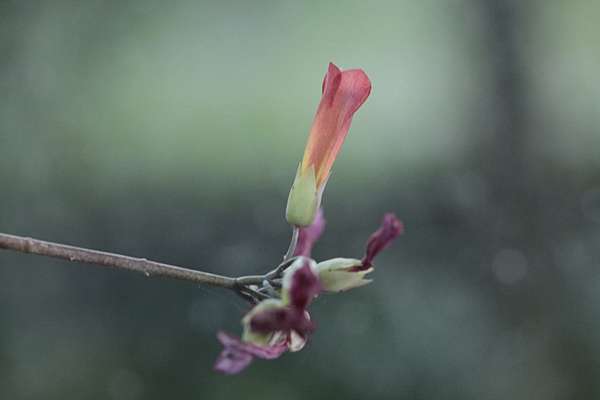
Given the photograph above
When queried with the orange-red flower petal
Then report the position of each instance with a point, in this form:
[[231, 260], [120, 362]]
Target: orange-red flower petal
[[343, 93]]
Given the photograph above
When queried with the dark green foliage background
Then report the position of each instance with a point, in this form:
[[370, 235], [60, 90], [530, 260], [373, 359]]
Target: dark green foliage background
[[172, 130]]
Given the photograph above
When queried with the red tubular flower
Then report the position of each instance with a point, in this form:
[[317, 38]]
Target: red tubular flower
[[343, 93]]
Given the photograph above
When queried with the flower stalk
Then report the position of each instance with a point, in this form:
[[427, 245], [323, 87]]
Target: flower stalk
[[293, 243]]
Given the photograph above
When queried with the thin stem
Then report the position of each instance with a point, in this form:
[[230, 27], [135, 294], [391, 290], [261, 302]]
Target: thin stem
[[246, 297], [258, 279], [293, 243], [250, 280], [147, 267], [269, 289], [280, 268], [255, 293]]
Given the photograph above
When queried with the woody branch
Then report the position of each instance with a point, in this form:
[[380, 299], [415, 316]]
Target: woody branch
[[147, 267]]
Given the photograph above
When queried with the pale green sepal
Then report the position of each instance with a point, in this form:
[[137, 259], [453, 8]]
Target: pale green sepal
[[304, 199], [335, 275]]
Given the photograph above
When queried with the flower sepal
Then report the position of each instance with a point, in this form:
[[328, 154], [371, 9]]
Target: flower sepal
[[341, 274], [304, 199]]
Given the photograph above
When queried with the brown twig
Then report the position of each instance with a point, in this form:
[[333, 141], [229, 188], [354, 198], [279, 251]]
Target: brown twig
[[147, 267]]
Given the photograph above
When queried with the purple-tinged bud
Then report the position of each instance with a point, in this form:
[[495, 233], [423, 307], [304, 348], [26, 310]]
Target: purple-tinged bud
[[288, 316], [390, 228], [285, 319], [300, 283], [341, 274], [309, 235], [260, 338]]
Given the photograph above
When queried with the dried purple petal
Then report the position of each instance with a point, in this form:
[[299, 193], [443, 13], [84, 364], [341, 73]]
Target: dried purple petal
[[309, 235], [390, 228], [232, 361], [265, 352], [237, 355]]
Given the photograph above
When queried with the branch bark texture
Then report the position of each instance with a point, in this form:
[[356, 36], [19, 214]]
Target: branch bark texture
[[117, 261]]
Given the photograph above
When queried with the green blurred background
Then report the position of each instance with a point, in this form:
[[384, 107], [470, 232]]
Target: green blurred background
[[172, 131]]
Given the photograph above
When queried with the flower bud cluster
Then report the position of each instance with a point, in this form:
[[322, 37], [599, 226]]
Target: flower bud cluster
[[280, 321]]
